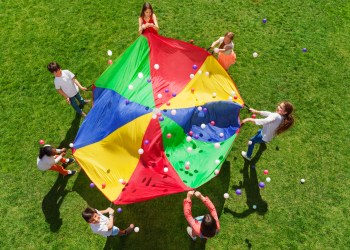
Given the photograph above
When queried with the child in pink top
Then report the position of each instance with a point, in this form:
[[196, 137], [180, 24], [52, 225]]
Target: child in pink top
[[206, 226]]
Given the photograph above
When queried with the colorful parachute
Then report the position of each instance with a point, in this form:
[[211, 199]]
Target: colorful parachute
[[164, 118]]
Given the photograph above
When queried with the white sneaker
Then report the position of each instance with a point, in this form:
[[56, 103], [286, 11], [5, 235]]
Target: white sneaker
[[189, 231], [245, 156]]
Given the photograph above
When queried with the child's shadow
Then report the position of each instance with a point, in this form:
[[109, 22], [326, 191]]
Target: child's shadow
[[251, 186], [54, 198]]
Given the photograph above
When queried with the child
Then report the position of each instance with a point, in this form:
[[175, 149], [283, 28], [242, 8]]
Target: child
[[273, 124], [206, 226], [227, 56], [148, 20], [102, 225], [49, 157], [68, 86]]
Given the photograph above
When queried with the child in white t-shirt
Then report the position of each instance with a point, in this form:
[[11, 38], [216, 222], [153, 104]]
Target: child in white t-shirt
[[68, 86], [103, 225]]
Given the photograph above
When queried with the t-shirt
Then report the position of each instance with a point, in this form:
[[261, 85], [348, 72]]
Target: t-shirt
[[65, 82], [270, 124], [102, 227], [228, 47], [47, 162]]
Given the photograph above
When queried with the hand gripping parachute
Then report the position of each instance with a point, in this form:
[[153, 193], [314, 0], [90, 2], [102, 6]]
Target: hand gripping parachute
[[164, 118]]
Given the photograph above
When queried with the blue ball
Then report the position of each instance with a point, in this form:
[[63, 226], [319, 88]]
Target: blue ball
[[264, 20]]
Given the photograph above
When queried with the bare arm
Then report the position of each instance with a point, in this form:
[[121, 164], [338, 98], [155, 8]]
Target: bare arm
[[78, 84], [215, 43], [140, 26], [60, 91], [155, 26]]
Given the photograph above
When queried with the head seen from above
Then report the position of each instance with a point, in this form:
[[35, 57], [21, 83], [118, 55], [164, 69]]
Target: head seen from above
[[91, 216], [208, 226], [147, 11], [285, 109], [55, 69]]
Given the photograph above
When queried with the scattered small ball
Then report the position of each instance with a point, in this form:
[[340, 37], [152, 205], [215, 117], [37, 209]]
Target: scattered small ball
[[254, 116], [192, 90], [173, 94], [212, 123], [159, 96], [109, 52], [238, 191], [166, 90], [190, 133], [189, 149], [235, 97], [264, 20], [304, 49], [194, 67], [217, 161], [149, 80], [216, 50], [187, 167], [168, 135], [255, 55], [250, 142], [168, 103], [161, 118], [226, 195], [199, 72], [119, 210], [146, 142], [154, 116], [103, 185], [216, 171], [205, 110], [187, 163], [140, 151], [214, 94], [127, 102], [173, 112], [207, 73], [217, 145], [188, 138], [203, 126], [199, 108], [266, 171], [165, 169], [92, 185], [121, 181], [110, 62], [71, 145], [156, 66], [140, 75], [41, 142], [302, 181], [261, 184], [254, 206], [233, 93], [221, 135], [268, 179], [130, 87], [136, 229], [191, 76]]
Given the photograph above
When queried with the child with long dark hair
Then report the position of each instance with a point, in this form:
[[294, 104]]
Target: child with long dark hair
[[274, 124], [226, 56], [148, 20], [49, 157]]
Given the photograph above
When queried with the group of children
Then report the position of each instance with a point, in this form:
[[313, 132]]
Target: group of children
[[205, 226]]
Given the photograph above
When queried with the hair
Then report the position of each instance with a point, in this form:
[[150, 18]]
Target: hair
[[88, 213], [45, 150], [53, 67], [208, 226], [230, 35], [145, 7], [288, 120]]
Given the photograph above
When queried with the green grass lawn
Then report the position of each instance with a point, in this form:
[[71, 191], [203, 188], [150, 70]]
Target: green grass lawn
[[41, 210]]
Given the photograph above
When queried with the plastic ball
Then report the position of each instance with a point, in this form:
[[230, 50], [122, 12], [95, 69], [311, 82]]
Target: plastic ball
[[200, 108], [136, 229], [130, 87], [121, 181], [173, 94], [217, 161], [261, 184], [154, 116], [192, 90], [235, 97], [233, 93], [255, 55], [266, 171], [207, 73], [230, 98], [217, 145], [254, 206], [253, 116], [189, 149], [165, 169], [190, 133], [159, 96], [168, 136], [146, 142], [250, 142], [42, 142], [264, 20], [191, 76], [168, 103], [196, 136], [221, 135], [199, 72], [302, 181], [304, 49], [194, 67], [109, 52], [140, 151], [203, 126], [149, 80], [212, 123], [226, 195], [166, 90], [214, 94], [119, 210], [268, 179], [238, 191], [161, 118], [92, 185], [156, 66], [173, 112], [110, 61], [187, 163], [127, 102], [187, 167], [216, 171], [205, 110], [103, 185], [216, 50], [140, 75]]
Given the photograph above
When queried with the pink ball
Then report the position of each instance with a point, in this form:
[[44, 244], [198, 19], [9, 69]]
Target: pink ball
[[212, 123], [103, 185], [253, 115], [235, 97], [168, 135], [190, 133], [41, 142], [266, 171], [110, 61], [187, 167], [192, 90]]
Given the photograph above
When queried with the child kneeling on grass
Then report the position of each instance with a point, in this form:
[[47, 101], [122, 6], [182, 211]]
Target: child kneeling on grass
[[205, 226], [102, 225]]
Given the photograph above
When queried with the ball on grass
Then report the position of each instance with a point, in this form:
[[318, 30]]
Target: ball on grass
[[302, 181], [136, 229], [255, 55], [268, 179], [92, 185], [266, 171], [109, 52], [226, 195], [254, 206], [264, 20], [238, 191], [261, 184], [119, 210], [41, 142]]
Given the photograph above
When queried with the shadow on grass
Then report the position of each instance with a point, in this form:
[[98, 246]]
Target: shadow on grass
[[161, 221], [53, 199], [251, 186]]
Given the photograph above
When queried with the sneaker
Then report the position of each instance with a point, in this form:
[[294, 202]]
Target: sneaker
[[245, 156], [72, 172], [189, 231], [69, 161]]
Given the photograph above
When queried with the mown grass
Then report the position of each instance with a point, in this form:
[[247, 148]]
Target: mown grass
[[42, 210]]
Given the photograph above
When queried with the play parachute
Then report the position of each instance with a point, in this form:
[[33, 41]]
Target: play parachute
[[164, 118]]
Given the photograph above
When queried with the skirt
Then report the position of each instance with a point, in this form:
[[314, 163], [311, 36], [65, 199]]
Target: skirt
[[226, 60]]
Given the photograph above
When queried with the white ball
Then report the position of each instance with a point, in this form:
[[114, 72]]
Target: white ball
[[121, 180], [216, 172], [217, 161], [187, 163], [268, 179], [160, 96], [199, 108], [109, 52], [191, 76], [233, 93], [302, 180], [189, 149], [173, 112], [203, 126], [255, 55], [207, 73], [226, 195], [221, 135], [140, 151], [199, 72], [136, 229], [166, 170], [71, 145], [156, 66], [131, 87], [254, 206], [216, 50], [250, 142], [140, 75], [188, 138], [217, 145], [230, 98], [214, 94]]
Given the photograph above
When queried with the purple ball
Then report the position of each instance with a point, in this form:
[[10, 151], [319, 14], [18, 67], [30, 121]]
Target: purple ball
[[149, 80], [127, 102], [304, 49], [205, 110], [119, 210], [92, 185], [174, 94], [146, 142], [196, 136], [166, 90], [238, 192], [264, 20], [194, 66], [261, 184], [161, 118]]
